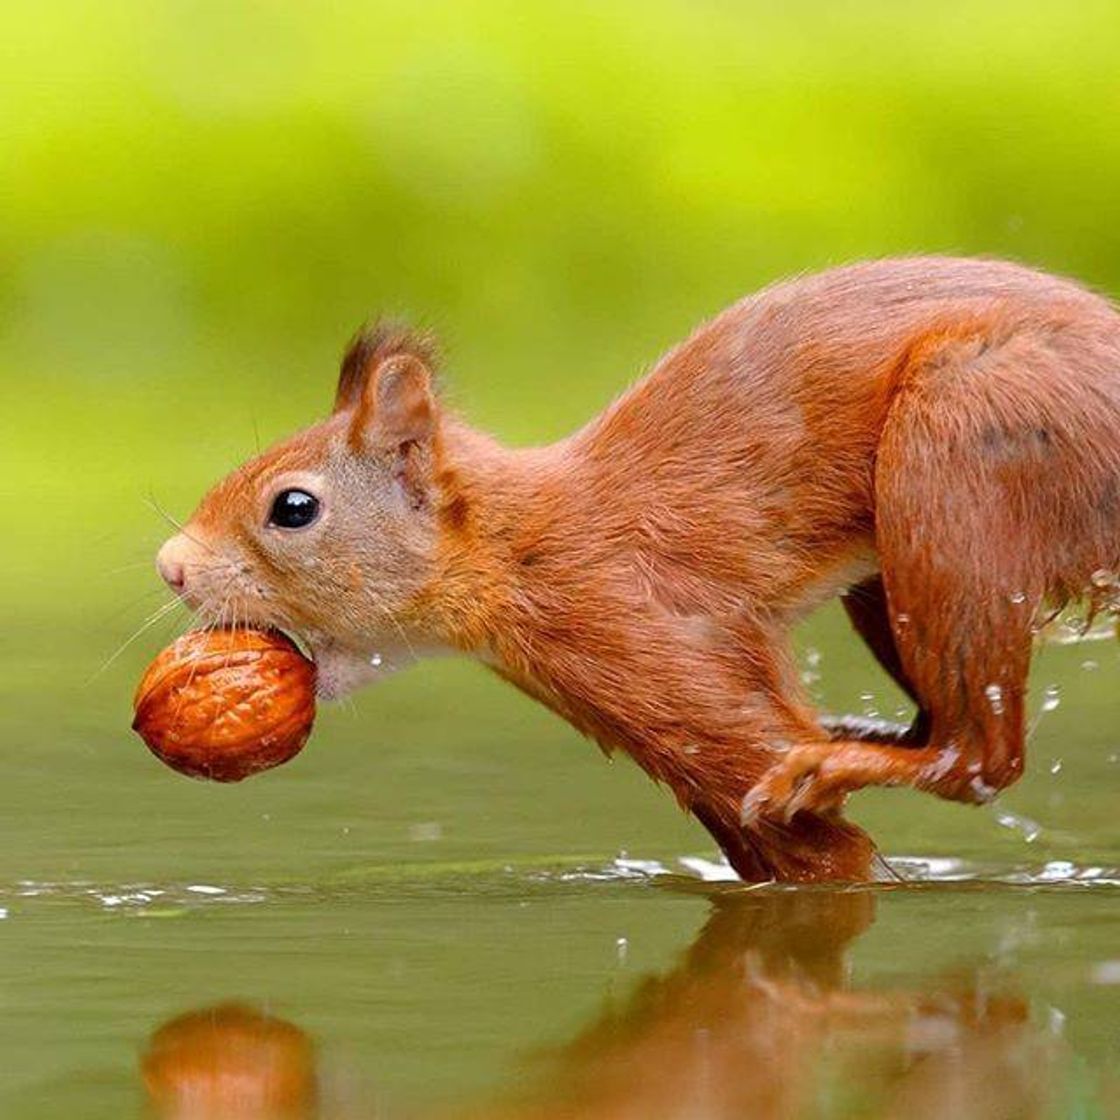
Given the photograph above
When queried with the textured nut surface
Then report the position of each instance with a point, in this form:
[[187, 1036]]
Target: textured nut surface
[[224, 704]]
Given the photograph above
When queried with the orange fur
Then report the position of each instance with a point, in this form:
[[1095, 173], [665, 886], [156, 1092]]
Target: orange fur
[[935, 440]]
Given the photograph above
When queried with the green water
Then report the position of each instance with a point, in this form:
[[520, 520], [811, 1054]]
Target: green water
[[448, 886]]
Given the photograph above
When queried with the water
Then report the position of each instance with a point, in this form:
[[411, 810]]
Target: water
[[514, 991], [450, 905]]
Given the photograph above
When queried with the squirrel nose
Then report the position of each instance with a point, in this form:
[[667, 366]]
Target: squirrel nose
[[170, 564]]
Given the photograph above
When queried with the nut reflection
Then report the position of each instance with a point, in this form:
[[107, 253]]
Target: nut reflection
[[758, 1019], [230, 1062]]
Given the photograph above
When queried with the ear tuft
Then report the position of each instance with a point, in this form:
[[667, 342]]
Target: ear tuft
[[374, 345]]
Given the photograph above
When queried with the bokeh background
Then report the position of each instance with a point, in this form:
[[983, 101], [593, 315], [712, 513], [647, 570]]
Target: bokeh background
[[200, 201]]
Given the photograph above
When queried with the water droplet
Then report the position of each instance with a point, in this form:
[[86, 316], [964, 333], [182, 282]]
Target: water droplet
[[995, 698], [1104, 972], [984, 792], [1028, 829], [621, 949], [868, 700], [812, 657], [902, 619], [375, 660], [1056, 766], [1104, 579], [1051, 697], [1018, 597], [1090, 666]]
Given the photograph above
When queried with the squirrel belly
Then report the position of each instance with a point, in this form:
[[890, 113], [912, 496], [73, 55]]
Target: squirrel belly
[[635, 620], [935, 440]]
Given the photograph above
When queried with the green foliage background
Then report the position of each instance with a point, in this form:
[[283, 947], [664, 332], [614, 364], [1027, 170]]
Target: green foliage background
[[199, 202]]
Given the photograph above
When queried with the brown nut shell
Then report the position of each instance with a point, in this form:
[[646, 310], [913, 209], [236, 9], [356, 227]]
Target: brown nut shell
[[227, 703]]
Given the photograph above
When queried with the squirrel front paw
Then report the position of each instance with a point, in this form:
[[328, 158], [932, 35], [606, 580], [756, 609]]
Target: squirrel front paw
[[817, 777], [804, 779]]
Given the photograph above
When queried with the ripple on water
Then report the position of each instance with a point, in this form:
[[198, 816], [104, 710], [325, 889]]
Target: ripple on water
[[130, 897], [900, 870], [165, 900]]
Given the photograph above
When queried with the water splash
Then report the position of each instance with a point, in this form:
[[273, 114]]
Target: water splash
[[1029, 829], [811, 675], [1072, 632], [708, 870], [1053, 873], [133, 898], [902, 870]]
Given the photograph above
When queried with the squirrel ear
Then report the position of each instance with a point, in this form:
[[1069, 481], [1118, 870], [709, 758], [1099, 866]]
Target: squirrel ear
[[386, 385], [396, 406]]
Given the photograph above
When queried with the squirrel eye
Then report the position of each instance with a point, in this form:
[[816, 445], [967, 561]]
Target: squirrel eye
[[293, 509]]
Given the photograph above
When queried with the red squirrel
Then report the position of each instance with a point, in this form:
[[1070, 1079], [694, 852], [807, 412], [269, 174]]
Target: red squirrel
[[935, 440]]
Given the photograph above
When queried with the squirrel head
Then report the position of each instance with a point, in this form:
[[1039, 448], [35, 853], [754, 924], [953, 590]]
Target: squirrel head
[[330, 534]]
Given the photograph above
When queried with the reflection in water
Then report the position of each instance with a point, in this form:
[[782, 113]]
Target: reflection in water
[[758, 1019], [230, 1062]]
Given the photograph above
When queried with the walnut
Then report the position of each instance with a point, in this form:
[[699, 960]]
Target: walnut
[[226, 703]]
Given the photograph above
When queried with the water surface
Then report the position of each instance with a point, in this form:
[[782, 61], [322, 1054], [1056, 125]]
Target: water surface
[[451, 905]]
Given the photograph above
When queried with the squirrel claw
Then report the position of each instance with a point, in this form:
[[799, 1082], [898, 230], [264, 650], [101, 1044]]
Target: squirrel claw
[[799, 782]]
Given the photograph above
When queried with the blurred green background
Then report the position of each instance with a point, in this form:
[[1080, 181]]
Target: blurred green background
[[200, 201]]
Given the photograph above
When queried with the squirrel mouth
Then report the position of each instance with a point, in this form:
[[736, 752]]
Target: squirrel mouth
[[304, 642], [301, 642]]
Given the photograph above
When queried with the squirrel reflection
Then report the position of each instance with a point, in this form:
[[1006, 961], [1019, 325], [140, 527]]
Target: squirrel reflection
[[757, 1020]]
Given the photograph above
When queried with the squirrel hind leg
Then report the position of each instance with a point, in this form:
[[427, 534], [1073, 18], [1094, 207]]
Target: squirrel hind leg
[[969, 545], [966, 537], [813, 848], [997, 495], [866, 607]]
